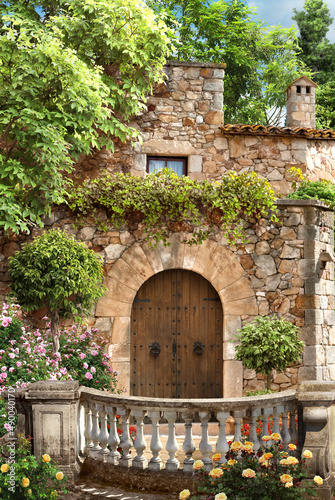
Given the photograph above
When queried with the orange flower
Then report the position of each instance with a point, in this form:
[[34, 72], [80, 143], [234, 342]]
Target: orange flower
[[292, 460], [25, 482], [184, 494], [216, 457], [288, 485], [236, 445], [232, 462], [248, 443], [268, 455], [46, 458], [266, 438], [307, 454], [248, 473], [275, 436], [247, 448], [198, 464], [4, 468], [292, 447], [318, 480], [216, 472], [286, 478]]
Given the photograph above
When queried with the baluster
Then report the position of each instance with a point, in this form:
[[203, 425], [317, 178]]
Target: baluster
[[171, 444], [188, 445], [113, 439], [275, 415], [126, 441], [88, 429], [222, 445], [103, 436], [253, 438], [266, 412], [285, 435], [140, 462], [205, 447], [155, 445], [238, 415], [293, 428], [95, 431]]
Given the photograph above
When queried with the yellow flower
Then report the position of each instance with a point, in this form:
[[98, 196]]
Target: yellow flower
[[284, 461], [247, 448], [284, 453], [248, 443], [4, 468], [236, 445], [220, 496], [59, 476], [232, 462], [248, 473], [292, 460], [25, 482], [318, 480], [46, 458], [268, 455], [307, 454], [216, 472], [266, 438], [286, 478], [184, 494], [292, 447], [288, 485], [216, 457], [29, 492], [275, 436], [198, 464]]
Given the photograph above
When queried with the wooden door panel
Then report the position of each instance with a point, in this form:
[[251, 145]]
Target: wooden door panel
[[177, 308]]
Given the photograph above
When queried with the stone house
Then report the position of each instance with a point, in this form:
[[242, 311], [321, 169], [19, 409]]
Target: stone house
[[170, 314]]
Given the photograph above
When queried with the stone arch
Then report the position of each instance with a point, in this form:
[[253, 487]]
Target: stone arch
[[216, 263]]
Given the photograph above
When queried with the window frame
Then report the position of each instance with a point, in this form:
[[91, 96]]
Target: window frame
[[166, 159]]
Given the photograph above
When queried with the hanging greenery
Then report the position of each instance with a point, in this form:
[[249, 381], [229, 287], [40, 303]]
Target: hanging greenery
[[162, 203]]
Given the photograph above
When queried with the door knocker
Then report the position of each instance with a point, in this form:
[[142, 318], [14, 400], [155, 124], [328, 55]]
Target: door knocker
[[198, 348], [155, 348]]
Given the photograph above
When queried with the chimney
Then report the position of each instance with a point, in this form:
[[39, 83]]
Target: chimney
[[300, 103]]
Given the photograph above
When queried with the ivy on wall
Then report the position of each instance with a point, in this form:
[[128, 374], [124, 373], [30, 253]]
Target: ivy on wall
[[162, 203]]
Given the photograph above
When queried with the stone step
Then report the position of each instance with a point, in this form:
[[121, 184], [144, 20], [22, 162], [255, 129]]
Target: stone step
[[90, 490]]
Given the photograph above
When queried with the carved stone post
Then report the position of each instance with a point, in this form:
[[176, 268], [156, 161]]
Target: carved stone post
[[54, 410], [317, 400]]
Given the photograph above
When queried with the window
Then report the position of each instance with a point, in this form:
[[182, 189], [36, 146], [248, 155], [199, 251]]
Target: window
[[178, 165], [308, 90], [298, 89]]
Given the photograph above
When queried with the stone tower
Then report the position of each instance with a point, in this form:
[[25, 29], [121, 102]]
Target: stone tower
[[300, 103]]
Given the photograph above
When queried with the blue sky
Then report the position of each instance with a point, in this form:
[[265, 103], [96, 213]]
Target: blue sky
[[280, 11]]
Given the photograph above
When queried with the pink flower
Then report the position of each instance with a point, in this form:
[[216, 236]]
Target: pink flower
[[3, 368], [89, 376], [82, 355], [11, 355], [93, 370], [85, 365], [63, 371], [4, 375], [5, 322], [18, 364], [94, 353], [7, 427], [11, 369], [82, 337]]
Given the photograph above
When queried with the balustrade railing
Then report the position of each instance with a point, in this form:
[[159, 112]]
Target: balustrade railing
[[102, 439]]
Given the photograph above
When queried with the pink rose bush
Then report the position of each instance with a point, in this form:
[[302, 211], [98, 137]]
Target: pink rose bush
[[26, 357]]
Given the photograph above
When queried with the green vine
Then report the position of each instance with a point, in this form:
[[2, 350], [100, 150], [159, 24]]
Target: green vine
[[162, 203]]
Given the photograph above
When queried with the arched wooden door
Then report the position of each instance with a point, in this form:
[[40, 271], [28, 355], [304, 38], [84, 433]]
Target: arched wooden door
[[177, 338]]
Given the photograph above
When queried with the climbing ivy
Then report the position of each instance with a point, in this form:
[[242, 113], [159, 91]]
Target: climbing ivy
[[162, 203]]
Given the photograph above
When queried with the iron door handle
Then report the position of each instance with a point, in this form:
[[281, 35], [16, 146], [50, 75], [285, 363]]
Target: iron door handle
[[155, 348], [198, 348]]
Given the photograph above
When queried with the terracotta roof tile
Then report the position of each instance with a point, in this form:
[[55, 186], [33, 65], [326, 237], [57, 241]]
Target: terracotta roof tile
[[309, 133]]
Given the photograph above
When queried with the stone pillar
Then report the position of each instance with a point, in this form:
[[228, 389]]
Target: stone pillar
[[54, 406], [317, 404]]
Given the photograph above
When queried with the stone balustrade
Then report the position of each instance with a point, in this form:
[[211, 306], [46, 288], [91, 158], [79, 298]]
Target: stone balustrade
[[99, 438]]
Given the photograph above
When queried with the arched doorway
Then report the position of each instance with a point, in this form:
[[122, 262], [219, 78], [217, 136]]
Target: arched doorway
[[177, 337]]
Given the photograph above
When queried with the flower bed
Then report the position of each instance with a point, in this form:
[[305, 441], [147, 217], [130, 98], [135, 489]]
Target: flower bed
[[246, 473]]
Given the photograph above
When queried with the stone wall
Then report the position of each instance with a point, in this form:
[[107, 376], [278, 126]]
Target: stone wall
[[286, 268]]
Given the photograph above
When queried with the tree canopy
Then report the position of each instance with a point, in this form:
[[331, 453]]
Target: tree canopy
[[71, 72], [261, 60]]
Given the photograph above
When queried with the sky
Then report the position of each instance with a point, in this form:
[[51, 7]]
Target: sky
[[280, 11]]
